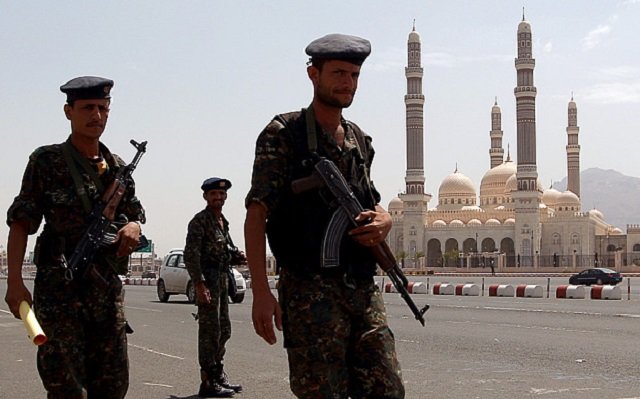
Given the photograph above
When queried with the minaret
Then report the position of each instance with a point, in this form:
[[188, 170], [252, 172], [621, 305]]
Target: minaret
[[573, 150], [415, 201], [527, 197], [496, 152]]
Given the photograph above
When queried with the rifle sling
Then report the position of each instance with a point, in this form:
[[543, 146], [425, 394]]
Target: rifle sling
[[70, 154]]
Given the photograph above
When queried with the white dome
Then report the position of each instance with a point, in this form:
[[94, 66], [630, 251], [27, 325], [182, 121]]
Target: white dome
[[472, 208], [439, 223], [494, 181], [511, 185], [395, 204], [596, 213], [456, 223], [457, 185], [524, 26], [492, 222], [510, 221], [568, 198], [414, 37], [617, 231], [550, 196], [474, 222]]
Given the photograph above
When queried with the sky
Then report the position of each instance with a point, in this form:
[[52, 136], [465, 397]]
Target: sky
[[199, 80]]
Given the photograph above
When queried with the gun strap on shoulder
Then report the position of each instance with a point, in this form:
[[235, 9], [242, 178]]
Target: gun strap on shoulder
[[70, 154]]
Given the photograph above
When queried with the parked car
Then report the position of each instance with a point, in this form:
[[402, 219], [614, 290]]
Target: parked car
[[174, 280], [148, 274], [598, 275]]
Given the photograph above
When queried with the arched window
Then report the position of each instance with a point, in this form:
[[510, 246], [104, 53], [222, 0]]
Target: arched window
[[636, 247]]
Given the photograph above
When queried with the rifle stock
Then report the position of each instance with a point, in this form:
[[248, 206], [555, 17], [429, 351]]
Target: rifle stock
[[327, 174]]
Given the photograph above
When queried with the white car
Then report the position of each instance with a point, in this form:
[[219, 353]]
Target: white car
[[174, 280]]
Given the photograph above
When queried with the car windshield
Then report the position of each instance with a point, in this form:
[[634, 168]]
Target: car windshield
[[607, 270]]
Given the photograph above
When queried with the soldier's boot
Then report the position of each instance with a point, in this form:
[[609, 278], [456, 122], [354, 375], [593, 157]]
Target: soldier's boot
[[210, 388], [223, 379]]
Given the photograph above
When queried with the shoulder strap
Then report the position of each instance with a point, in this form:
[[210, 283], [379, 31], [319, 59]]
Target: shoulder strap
[[77, 179]]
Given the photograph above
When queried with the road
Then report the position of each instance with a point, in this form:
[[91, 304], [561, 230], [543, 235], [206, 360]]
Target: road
[[472, 347]]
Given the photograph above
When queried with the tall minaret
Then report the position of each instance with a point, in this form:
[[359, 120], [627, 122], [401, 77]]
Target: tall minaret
[[573, 150], [527, 197], [496, 152], [415, 201]]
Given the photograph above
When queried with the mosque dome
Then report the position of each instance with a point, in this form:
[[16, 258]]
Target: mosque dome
[[510, 221], [456, 223], [492, 222], [524, 26], [596, 213], [617, 231], [439, 223], [568, 198], [474, 222], [494, 181], [456, 184], [395, 204], [550, 197], [474, 208], [511, 184]]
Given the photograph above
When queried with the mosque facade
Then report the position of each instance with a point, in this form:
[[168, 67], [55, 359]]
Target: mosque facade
[[514, 221]]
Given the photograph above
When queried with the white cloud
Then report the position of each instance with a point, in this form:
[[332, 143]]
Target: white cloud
[[594, 37], [614, 93]]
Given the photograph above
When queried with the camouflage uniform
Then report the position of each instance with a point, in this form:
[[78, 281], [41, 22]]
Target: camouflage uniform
[[338, 341], [85, 324], [207, 255]]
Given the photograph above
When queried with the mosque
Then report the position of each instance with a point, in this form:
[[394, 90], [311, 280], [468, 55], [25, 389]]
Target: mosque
[[516, 222]]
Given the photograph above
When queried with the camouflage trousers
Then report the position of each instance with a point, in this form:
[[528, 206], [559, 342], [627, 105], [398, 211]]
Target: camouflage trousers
[[86, 351], [337, 338], [214, 326]]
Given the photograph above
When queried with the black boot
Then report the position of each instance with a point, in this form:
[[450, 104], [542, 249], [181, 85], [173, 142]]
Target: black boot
[[223, 380], [210, 388]]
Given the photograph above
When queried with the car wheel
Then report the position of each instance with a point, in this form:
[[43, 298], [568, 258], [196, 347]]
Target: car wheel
[[599, 281], [162, 291], [191, 293], [237, 298]]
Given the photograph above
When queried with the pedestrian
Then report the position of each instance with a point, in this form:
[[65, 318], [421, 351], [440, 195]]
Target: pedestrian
[[338, 341], [208, 254], [86, 351]]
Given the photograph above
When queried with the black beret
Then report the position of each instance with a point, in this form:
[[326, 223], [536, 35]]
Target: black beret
[[337, 46], [87, 88], [215, 183]]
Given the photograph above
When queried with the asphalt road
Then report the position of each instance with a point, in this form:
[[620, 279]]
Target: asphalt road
[[472, 347]]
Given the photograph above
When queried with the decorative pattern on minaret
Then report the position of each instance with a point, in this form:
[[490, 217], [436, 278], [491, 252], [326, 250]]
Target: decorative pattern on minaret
[[496, 152], [573, 150], [414, 102]]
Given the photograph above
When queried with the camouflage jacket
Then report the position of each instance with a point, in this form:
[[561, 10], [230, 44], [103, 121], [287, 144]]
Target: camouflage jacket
[[48, 191], [208, 248]]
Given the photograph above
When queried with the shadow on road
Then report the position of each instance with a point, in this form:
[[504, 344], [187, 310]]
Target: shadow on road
[[184, 397]]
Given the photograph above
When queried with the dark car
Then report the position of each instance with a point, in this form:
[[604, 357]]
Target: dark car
[[598, 275], [148, 274]]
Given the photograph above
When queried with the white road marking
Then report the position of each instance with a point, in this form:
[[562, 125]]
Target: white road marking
[[155, 352], [157, 385], [544, 391], [147, 309]]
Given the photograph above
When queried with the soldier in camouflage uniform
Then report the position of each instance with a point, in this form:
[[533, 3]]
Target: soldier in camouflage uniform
[[208, 254], [86, 351], [336, 334]]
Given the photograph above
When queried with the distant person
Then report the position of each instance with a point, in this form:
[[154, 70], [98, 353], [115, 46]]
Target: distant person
[[492, 265], [86, 351], [208, 254], [338, 341]]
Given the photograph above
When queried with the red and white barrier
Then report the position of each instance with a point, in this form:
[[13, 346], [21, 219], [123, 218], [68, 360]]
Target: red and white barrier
[[606, 292], [467, 290], [417, 288], [501, 290], [390, 288], [570, 291], [443, 289], [529, 291]]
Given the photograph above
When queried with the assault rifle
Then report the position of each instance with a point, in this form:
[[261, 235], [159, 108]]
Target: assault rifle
[[98, 233], [327, 174]]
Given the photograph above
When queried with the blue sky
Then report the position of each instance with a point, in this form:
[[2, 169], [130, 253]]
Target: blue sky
[[200, 79]]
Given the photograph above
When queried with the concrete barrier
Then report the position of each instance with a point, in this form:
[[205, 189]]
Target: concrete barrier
[[501, 290], [529, 291], [467, 290], [418, 288], [390, 288], [570, 291], [443, 289], [606, 292]]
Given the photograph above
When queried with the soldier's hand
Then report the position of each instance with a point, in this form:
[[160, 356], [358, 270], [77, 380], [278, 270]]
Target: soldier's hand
[[128, 238], [203, 296], [16, 293], [378, 225], [264, 312]]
